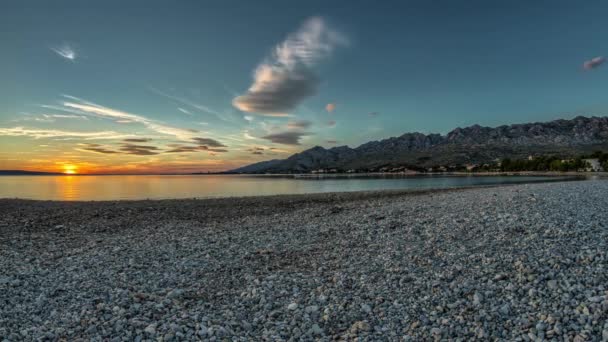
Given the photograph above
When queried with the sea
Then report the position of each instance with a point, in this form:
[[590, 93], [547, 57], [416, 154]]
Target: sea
[[137, 187]]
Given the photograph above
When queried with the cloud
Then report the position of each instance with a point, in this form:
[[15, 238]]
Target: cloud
[[199, 148], [183, 148], [139, 150], [203, 144], [52, 133], [89, 108], [287, 77], [372, 114], [189, 103], [330, 107], [137, 140], [219, 150], [286, 138], [64, 116], [98, 149], [185, 111], [301, 124], [208, 142], [49, 117], [333, 142], [331, 123], [594, 63], [256, 150], [65, 51]]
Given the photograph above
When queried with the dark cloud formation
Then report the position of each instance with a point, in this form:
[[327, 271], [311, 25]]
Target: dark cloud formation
[[256, 150], [182, 149], [287, 78], [176, 148], [300, 124], [289, 88], [208, 142], [139, 150], [286, 138], [137, 140], [594, 63], [374, 114], [98, 149]]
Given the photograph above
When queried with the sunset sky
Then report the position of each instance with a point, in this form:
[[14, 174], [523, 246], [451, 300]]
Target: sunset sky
[[189, 86]]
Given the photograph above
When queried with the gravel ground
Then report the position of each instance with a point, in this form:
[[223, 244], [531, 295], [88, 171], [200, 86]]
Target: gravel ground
[[523, 262]]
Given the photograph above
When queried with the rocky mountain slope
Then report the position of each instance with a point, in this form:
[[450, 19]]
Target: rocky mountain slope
[[474, 144]]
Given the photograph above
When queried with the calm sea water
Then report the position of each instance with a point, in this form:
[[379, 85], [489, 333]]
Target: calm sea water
[[204, 186]]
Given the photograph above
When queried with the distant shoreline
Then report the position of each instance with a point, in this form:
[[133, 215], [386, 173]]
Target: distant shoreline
[[329, 175]]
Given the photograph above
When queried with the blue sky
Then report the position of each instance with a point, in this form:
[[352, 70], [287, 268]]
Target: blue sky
[[386, 68]]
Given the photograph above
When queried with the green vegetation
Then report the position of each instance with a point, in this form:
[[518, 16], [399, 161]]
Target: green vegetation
[[553, 163]]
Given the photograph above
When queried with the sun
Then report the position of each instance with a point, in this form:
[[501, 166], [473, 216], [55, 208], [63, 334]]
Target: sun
[[70, 169]]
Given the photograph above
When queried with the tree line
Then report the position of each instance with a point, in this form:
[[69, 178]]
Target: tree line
[[553, 163]]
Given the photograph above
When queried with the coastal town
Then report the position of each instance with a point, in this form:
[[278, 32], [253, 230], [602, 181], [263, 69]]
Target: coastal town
[[596, 162]]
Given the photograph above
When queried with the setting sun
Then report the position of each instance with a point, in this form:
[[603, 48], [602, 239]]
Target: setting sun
[[69, 169]]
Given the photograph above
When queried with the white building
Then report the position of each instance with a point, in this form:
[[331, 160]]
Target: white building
[[593, 164]]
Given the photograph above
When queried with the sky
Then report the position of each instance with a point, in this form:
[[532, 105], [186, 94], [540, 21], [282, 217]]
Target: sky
[[197, 86]]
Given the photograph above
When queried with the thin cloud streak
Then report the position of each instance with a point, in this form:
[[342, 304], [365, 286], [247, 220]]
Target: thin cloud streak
[[189, 103], [185, 111], [105, 112], [65, 51], [52, 133]]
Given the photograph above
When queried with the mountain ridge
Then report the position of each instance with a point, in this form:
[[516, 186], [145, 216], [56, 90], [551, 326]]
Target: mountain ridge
[[472, 144]]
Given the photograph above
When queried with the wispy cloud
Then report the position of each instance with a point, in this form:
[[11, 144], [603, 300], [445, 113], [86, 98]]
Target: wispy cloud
[[139, 150], [287, 77], [330, 107], [594, 63], [52, 133], [196, 148], [65, 116], [137, 140], [373, 114], [90, 108], [49, 117], [209, 142], [96, 148], [185, 111], [189, 103], [286, 138], [65, 51]]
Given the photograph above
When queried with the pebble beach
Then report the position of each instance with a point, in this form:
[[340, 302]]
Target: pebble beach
[[525, 262]]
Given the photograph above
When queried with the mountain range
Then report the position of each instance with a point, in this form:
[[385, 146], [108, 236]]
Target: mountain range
[[470, 145]]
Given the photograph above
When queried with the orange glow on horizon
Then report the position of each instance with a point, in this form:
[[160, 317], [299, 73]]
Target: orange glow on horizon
[[70, 169]]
